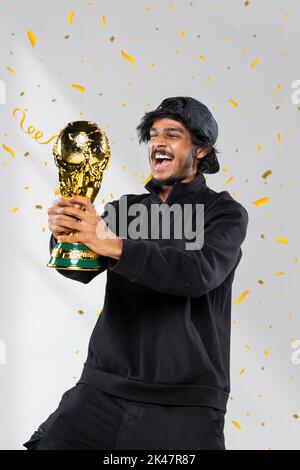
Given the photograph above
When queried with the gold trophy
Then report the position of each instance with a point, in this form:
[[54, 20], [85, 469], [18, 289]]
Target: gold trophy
[[81, 153]]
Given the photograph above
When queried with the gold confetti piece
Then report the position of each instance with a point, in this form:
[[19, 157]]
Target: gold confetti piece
[[282, 240], [56, 191], [178, 51], [78, 87], [99, 313], [277, 89], [182, 33], [112, 38], [9, 150], [111, 195], [43, 229], [38, 206], [255, 62], [279, 138], [266, 352], [260, 281], [242, 371], [236, 424], [128, 57], [26, 187], [296, 259], [295, 416], [280, 273], [11, 70], [32, 38], [229, 179], [246, 3], [258, 147], [171, 5], [104, 21], [242, 297], [147, 179], [260, 202], [14, 210], [234, 103], [247, 346], [70, 16], [266, 174], [77, 351], [202, 57], [81, 312]]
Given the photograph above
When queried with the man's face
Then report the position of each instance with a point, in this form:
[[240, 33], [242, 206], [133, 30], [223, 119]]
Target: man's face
[[171, 151]]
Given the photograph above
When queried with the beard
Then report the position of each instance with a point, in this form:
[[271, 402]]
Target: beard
[[181, 174]]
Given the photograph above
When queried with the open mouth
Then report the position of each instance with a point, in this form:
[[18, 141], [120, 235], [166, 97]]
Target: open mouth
[[161, 161]]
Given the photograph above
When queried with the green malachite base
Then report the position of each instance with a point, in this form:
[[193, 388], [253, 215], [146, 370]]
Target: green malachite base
[[62, 258]]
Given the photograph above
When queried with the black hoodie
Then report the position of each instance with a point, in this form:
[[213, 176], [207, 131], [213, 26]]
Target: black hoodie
[[164, 333]]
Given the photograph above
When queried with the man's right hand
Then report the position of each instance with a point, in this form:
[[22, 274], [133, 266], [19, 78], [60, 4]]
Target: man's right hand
[[58, 223]]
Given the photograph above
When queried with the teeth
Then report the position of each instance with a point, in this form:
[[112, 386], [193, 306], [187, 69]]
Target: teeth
[[160, 157]]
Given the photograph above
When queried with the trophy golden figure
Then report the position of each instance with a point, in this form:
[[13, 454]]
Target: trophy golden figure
[[81, 153]]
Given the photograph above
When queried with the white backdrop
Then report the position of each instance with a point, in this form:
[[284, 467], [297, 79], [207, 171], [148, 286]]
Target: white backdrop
[[215, 52]]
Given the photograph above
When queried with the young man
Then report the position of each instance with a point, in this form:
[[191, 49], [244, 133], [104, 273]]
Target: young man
[[157, 371]]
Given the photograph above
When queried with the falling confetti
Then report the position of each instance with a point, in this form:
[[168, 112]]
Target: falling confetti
[[277, 89], [147, 179], [104, 21], [202, 57], [242, 297], [11, 70], [242, 371], [236, 424], [81, 312], [99, 313], [229, 179], [32, 38], [78, 87], [38, 206], [260, 202], [234, 103], [14, 210], [128, 57], [70, 16], [266, 352], [9, 150], [255, 62], [266, 174], [279, 138], [282, 240]]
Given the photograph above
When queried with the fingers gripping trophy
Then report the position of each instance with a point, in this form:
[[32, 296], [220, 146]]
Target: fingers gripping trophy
[[81, 153]]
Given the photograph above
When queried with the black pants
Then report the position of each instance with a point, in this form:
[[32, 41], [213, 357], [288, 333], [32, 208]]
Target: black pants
[[90, 419]]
